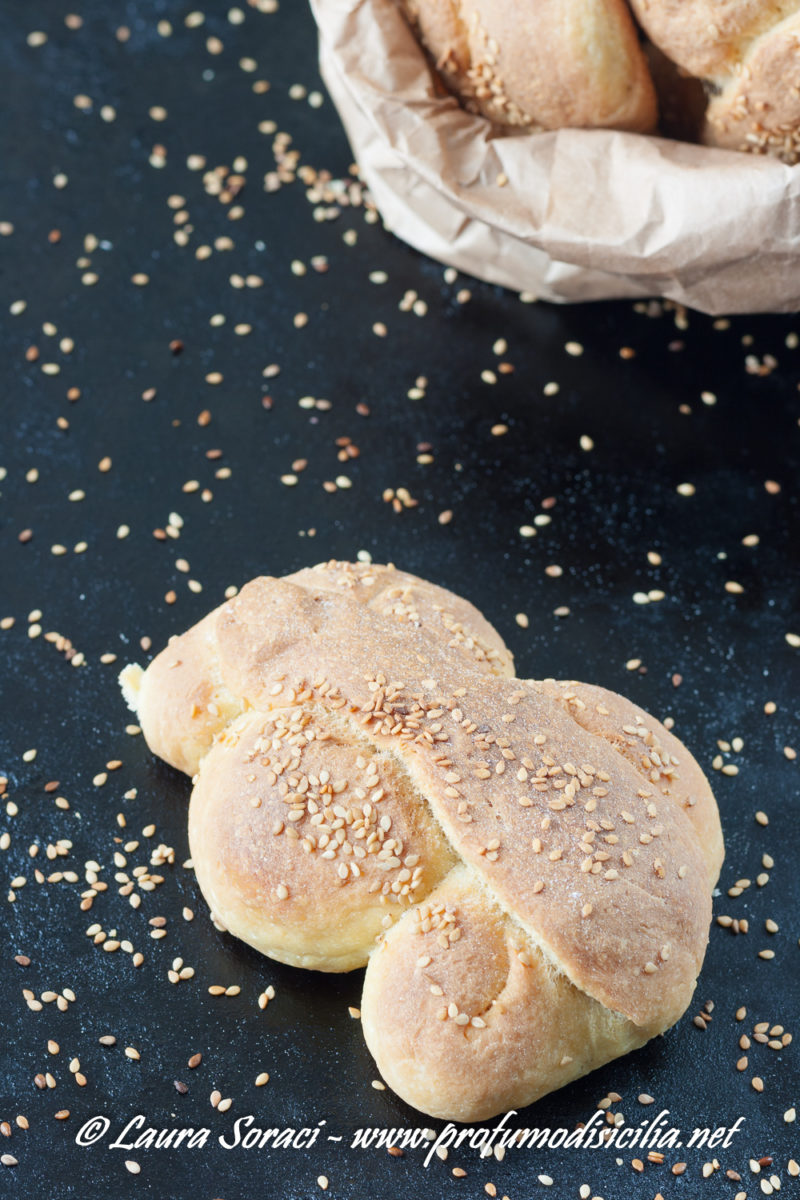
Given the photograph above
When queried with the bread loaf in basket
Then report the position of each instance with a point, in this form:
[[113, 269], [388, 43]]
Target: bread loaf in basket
[[551, 64]]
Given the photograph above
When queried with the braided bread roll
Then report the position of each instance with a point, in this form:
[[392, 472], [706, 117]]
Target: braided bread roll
[[526, 867]]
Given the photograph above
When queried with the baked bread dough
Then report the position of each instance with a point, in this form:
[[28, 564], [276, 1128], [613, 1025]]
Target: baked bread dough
[[551, 64], [541, 65], [524, 866], [747, 52]]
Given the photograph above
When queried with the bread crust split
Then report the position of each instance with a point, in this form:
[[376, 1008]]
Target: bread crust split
[[524, 866]]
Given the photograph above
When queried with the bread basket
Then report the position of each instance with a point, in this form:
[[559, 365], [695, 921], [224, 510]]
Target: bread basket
[[570, 215]]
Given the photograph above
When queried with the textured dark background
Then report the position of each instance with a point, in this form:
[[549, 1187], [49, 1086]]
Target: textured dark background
[[652, 430]]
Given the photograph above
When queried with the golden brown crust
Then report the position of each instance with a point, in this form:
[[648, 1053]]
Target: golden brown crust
[[542, 65], [748, 53], [466, 1019], [377, 748], [183, 701], [708, 38], [562, 63], [758, 109]]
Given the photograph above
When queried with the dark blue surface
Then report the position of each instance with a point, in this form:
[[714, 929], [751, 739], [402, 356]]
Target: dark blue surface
[[613, 504]]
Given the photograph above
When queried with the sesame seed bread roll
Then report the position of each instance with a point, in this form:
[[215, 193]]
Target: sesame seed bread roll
[[542, 64], [747, 52], [708, 37], [759, 108], [379, 762]]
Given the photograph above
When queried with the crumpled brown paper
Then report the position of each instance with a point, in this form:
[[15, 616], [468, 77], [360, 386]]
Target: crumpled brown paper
[[584, 214]]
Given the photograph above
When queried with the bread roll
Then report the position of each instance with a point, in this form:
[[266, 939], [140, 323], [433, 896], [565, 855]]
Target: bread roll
[[551, 64], [525, 867], [748, 54], [540, 64]]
